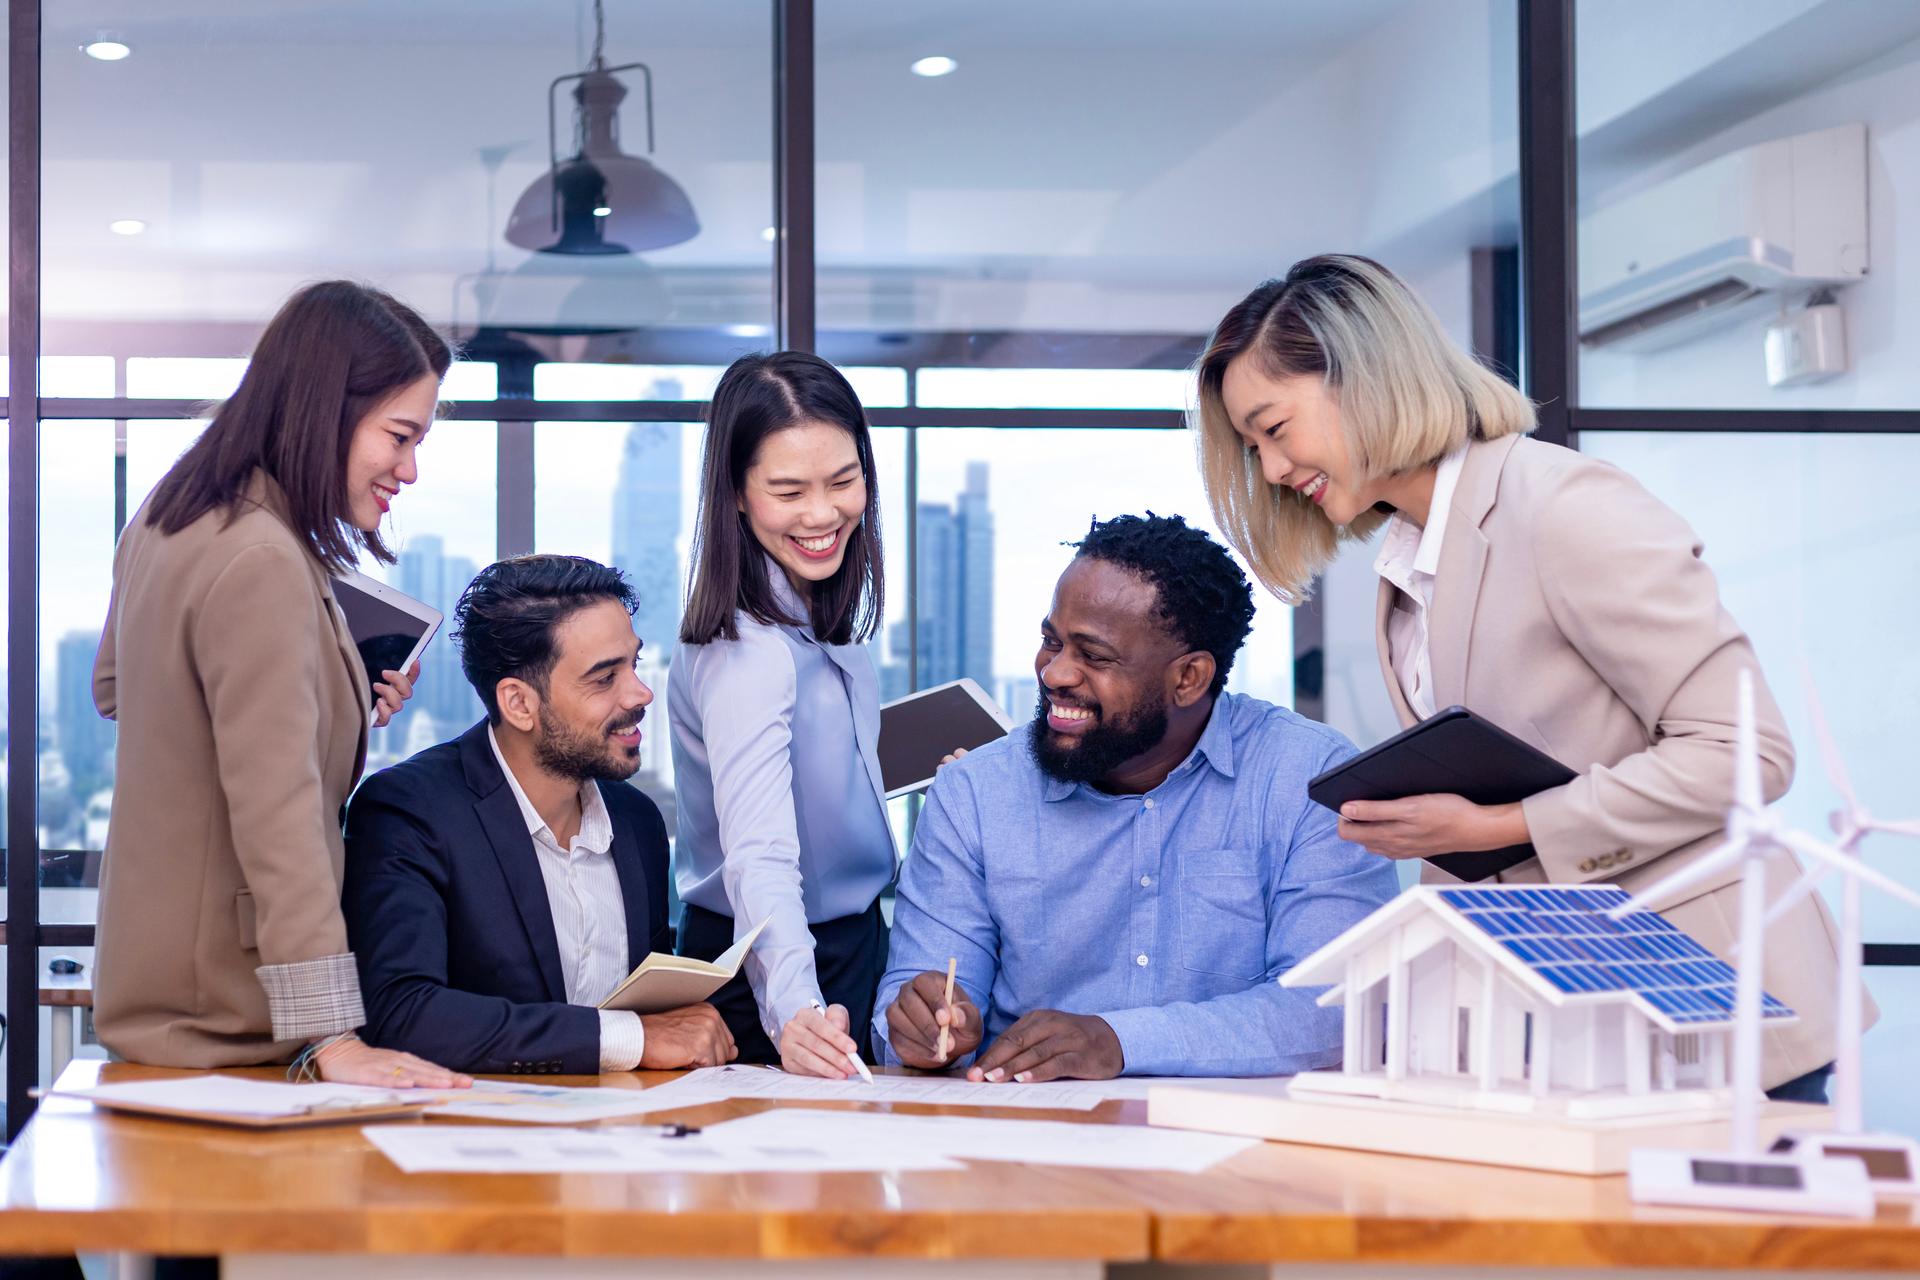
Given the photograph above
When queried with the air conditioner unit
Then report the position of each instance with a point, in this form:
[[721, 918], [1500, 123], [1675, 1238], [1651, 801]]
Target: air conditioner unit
[[1659, 266]]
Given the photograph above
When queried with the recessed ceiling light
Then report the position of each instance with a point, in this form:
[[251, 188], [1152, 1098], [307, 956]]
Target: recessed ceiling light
[[106, 50], [935, 66], [126, 226], [769, 234], [602, 210]]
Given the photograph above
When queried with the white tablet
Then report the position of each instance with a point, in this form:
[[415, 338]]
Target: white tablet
[[389, 627], [919, 729]]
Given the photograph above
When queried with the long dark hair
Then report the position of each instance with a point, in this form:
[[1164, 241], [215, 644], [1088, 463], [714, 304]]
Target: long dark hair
[[334, 352], [758, 396]]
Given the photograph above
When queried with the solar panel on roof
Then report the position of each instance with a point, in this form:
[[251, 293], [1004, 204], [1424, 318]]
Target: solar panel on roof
[[1564, 934]]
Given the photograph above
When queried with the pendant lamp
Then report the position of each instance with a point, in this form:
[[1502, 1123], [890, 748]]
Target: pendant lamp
[[600, 200]]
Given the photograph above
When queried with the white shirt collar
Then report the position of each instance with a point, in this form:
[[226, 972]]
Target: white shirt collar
[[596, 828], [1408, 548]]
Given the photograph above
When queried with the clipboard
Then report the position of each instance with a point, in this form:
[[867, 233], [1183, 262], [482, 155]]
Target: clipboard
[[190, 1099]]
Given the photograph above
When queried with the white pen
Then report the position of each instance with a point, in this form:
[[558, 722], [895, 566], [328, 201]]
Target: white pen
[[854, 1057]]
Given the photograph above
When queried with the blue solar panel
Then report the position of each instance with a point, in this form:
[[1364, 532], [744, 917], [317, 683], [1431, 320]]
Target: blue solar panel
[[1565, 936]]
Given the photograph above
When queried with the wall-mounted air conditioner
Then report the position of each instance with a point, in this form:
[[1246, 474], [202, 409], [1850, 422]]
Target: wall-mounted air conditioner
[[1664, 263]]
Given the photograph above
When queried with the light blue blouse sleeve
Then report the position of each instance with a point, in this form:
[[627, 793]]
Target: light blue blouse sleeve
[[745, 691]]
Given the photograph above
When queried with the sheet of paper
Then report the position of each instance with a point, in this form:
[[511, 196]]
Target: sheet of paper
[[711, 1084], [544, 1104], [234, 1096], [497, 1149], [1087, 1146]]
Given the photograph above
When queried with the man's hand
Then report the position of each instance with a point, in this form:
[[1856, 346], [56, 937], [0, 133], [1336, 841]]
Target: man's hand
[[692, 1036], [352, 1060], [916, 1015], [814, 1043], [1050, 1045], [1427, 826]]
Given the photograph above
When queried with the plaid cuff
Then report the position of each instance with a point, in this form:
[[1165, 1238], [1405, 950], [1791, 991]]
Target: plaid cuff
[[313, 998]]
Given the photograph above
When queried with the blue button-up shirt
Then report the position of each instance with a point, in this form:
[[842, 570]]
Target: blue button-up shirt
[[1171, 915]]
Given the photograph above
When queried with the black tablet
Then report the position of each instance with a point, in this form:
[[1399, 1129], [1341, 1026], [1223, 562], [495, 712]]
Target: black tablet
[[917, 731], [390, 628], [1453, 752]]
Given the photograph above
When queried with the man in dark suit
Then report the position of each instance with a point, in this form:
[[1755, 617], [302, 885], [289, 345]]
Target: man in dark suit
[[499, 886]]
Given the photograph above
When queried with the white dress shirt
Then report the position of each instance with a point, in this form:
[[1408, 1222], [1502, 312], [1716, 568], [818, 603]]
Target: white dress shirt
[[1409, 557], [589, 914]]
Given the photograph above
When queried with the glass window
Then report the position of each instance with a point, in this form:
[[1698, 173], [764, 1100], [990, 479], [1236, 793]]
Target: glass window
[[1741, 235], [190, 187], [1168, 159], [995, 510]]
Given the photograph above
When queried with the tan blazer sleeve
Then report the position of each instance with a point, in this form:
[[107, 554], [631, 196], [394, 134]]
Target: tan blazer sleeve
[[106, 684], [1623, 579], [258, 654]]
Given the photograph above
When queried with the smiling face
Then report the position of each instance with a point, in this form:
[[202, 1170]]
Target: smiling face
[[1106, 672], [803, 496], [380, 457], [1292, 424], [591, 708]]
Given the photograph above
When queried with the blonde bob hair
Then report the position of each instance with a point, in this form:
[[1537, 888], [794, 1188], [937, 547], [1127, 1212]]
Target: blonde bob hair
[[1408, 397]]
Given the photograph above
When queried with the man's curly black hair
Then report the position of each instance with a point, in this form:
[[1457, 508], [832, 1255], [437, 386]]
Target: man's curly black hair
[[1203, 599]]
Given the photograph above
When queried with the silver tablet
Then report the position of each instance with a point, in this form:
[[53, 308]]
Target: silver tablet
[[918, 730], [389, 627]]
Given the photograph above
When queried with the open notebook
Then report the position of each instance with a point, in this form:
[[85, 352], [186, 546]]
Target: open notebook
[[662, 981]]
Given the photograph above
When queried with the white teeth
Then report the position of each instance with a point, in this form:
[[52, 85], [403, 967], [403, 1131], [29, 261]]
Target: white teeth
[[1069, 713], [1318, 483], [818, 544]]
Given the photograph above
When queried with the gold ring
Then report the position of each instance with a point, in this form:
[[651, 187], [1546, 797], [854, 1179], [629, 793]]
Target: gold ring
[[399, 1071]]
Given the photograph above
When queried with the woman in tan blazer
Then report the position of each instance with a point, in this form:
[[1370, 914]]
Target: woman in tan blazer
[[1543, 589], [243, 706]]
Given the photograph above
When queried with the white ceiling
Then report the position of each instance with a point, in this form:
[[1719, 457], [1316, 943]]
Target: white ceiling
[[1090, 164]]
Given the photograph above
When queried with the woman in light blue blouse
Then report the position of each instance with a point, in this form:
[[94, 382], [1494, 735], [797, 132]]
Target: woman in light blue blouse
[[775, 711]]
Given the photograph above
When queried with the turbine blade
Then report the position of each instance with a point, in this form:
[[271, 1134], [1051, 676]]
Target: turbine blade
[[1665, 889], [1746, 761], [1821, 852], [1801, 890], [1829, 751], [1896, 828]]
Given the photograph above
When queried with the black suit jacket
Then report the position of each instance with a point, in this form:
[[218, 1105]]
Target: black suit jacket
[[447, 914]]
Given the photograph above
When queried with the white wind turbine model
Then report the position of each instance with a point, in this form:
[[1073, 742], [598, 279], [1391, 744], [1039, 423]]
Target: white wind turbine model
[[1892, 1160], [1746, 1177]]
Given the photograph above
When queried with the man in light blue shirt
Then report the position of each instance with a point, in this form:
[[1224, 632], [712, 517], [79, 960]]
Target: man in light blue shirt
[[1123, 882]]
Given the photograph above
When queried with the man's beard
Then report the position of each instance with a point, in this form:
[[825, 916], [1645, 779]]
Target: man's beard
[[1102, 748], [567, 753]]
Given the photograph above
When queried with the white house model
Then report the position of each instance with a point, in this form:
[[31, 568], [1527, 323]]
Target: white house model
[[1528, 999]]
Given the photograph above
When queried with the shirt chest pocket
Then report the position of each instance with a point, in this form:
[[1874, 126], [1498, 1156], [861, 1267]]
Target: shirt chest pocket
[[1223, 914]]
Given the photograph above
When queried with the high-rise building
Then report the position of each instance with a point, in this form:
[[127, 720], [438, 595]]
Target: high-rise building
[[85, 739], [953, 599], [646, 530], [429, 574]]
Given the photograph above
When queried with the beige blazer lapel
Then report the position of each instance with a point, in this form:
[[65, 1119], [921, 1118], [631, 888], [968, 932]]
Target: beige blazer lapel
[[264, 491], [1382, 611], [1463, 565]]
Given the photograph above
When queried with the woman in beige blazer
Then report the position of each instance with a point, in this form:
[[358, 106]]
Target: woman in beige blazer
[[243, 706], [1542, 588]]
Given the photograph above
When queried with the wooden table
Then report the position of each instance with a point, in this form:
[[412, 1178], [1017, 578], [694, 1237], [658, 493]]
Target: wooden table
[[324, 1201]]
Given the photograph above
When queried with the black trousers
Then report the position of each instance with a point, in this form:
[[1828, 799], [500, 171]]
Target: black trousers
[[849, 955]]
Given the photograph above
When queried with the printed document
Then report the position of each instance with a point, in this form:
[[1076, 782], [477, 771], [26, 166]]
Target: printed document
[[496, 1149]]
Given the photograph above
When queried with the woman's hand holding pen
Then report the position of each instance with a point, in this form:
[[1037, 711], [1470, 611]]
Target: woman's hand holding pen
[[815, 1043], [393, 693], [1425, 826], [917, 1016]]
